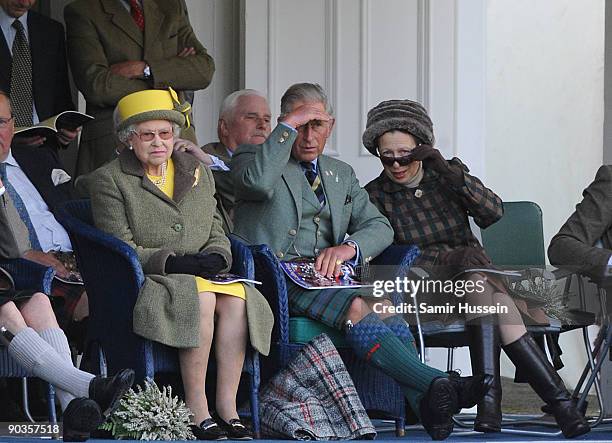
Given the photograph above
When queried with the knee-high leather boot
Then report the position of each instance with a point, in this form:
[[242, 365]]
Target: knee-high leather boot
[[545, 381], [484, 354]]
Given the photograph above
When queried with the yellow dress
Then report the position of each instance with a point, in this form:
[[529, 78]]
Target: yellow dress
[[167, 187]]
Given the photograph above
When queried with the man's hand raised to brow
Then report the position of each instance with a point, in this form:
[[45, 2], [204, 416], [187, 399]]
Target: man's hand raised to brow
[[303, 114]]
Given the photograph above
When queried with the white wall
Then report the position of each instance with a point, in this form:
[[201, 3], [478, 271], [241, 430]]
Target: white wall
[[217, 26], [544, 109]]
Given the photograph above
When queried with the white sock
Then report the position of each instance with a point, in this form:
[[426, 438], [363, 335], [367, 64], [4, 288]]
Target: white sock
[[58, 341], [37, 356]]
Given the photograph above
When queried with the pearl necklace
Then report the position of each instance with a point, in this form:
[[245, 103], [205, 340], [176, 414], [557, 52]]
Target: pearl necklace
[[162, 180]]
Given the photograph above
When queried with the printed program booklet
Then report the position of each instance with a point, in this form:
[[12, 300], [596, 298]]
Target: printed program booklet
[[302, 272], [227, 278], [51, 126]]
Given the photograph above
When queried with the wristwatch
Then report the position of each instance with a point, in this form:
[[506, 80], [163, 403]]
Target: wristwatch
[[146, 72]]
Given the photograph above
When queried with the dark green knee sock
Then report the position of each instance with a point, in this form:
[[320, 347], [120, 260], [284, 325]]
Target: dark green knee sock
[[373, 341], [400, 328]]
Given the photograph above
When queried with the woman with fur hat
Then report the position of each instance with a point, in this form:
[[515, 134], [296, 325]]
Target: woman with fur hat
[[161, 202], [428, 200]]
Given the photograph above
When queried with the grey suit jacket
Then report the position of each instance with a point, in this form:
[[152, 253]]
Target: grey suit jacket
[[101, 33], [268, 190], [574, 245]]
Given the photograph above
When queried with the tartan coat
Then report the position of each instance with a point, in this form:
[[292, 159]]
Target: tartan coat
[[100, 33], [126, 204], [574, 244], [434, 215], [268, 188]]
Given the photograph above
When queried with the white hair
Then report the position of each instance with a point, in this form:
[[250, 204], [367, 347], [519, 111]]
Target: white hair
[[231, 101]]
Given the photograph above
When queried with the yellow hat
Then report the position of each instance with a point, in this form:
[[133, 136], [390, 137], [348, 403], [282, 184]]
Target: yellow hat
[[152, 104]]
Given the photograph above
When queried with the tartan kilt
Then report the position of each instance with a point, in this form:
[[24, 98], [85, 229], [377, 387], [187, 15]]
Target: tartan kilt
[[64, 298], [328, 306]]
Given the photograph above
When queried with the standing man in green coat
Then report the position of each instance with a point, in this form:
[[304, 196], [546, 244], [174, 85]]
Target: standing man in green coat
[[302, 203], [116, 47]]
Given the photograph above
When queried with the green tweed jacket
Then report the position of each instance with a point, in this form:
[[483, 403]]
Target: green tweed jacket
[[127, 204], [100, 33], [575, 243], [268, 189]]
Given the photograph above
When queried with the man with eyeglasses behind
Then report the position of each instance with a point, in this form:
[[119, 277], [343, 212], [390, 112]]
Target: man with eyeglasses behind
[[47, 241]]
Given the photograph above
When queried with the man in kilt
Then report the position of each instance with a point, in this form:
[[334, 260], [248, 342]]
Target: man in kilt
[[302, 203]]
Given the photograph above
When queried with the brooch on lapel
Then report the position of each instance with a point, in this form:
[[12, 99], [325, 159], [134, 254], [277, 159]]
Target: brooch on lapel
[[197, 177], [331, 174], [418, 193]]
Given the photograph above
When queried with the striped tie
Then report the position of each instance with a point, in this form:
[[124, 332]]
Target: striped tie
[[21, 78], [314, 180], [137, 14], [20, 207]]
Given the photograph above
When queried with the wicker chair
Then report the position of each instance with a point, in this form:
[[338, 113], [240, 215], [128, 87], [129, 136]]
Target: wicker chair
[[380, 395], [113, 277], [27, 275]]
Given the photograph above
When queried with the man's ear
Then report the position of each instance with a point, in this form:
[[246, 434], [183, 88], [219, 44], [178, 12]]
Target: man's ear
[[332, 122], [222, 129]]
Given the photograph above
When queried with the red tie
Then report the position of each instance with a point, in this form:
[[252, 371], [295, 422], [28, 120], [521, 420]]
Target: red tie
[[137, 14]]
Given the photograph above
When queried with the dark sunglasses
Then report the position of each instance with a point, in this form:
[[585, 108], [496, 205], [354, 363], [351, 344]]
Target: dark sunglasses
[[402, 161]]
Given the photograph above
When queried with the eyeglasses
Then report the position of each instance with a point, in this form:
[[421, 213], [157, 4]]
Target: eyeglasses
[[319, 126], [149, 136], [402, 161], [4, 122]]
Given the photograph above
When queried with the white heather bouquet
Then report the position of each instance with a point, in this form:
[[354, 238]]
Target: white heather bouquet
[[150, 414]]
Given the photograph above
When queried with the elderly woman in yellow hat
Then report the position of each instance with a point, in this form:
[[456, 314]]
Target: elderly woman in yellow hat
[[161, 202]]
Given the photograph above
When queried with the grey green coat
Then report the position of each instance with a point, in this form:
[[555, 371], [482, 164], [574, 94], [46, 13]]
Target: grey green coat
[[127, 204], [268, 189]]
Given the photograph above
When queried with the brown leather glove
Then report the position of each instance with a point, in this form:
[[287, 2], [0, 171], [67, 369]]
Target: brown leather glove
[[432, 159]]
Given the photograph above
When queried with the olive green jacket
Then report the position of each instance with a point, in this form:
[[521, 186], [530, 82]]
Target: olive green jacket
[[100, 33], [126, 204]]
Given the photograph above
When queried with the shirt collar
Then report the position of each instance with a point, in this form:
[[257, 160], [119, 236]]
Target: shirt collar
[[6, 22], [315, 165], [230, 153], [10, 160]]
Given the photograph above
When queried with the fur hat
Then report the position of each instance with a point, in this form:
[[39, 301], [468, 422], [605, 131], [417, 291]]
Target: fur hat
[[152, 104], [403, 115]]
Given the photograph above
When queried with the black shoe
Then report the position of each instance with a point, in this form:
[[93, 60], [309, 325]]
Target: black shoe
[[107, 391], [545, 381], [437, 408], [235, 430], [208, 430], [470, 390], [81, 417]]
